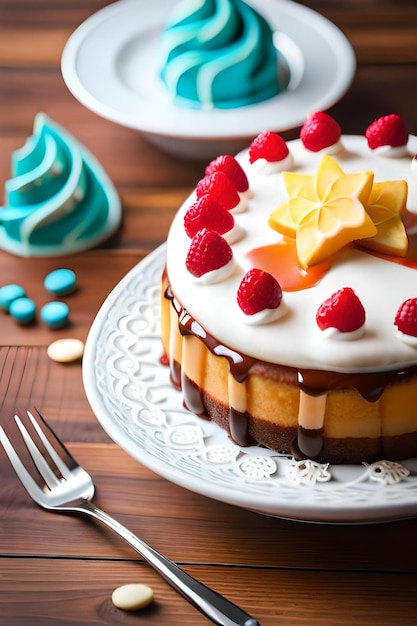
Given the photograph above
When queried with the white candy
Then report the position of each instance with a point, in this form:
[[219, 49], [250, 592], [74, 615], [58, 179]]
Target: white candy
[[66, 350], [132, 597]]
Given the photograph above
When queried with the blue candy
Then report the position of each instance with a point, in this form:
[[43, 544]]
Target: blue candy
[[60, 282], [55, 314], [8, 293], [23, 310]]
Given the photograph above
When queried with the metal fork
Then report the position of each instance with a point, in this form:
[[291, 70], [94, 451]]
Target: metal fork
[[64, 486]]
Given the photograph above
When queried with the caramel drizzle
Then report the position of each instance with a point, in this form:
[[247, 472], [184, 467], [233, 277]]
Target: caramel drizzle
[[313, 384]]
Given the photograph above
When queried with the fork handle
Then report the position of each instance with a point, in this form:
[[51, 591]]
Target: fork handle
[[215, 606]]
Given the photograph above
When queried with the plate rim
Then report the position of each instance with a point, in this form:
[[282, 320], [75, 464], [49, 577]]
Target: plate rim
[[344, 57], [295, 510]]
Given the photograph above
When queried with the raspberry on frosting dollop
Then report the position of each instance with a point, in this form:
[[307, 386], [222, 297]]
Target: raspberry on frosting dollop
[[320, 132], [343, 312], [388, 134]]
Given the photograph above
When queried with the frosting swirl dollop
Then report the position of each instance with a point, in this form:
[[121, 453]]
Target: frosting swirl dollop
[[59, 199], [219, 53]]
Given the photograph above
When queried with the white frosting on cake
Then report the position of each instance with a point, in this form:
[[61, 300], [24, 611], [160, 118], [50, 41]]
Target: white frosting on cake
[[216, 276], [262, 166], [295, 339]]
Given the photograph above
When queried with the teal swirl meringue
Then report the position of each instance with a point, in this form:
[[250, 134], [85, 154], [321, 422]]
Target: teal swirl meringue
[[219, 53], [59, 199]]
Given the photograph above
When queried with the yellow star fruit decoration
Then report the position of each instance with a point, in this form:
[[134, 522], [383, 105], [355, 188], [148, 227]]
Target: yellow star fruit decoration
[[327, 211], [385, 206]]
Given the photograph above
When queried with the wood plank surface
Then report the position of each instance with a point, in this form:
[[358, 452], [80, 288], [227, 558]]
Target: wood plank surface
[[296, 597], [61, 569]]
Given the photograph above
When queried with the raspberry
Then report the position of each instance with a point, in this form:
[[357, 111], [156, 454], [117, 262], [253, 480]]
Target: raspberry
[[220, 187], [257, 291], [343, 310], [388, 130], [268, 145], [406, 317], [319, 131], [233, 170], [208, 213], [208, 251]]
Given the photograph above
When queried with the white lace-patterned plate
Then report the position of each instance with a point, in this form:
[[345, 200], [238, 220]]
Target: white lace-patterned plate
[[111, 65], [130, 393]]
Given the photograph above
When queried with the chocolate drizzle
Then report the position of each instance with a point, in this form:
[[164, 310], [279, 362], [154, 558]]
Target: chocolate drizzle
[[192, 396], [370, 385], [239, 427], [309, 443]]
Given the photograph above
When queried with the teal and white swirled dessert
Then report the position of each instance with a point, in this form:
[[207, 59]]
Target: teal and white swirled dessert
[[59, 199], [219, 54]]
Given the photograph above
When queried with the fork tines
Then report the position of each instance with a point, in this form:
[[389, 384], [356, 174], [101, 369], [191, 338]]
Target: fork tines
[[49, 455], [38, 455]]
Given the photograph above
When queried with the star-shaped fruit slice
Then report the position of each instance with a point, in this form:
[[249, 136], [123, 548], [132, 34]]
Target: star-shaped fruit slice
[[385, 207], [324, 212]]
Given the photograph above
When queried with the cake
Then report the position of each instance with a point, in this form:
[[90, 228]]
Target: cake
[[218, 53], [289, 297]]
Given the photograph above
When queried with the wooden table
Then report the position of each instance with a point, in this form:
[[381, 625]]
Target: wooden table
[[62, 570]]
